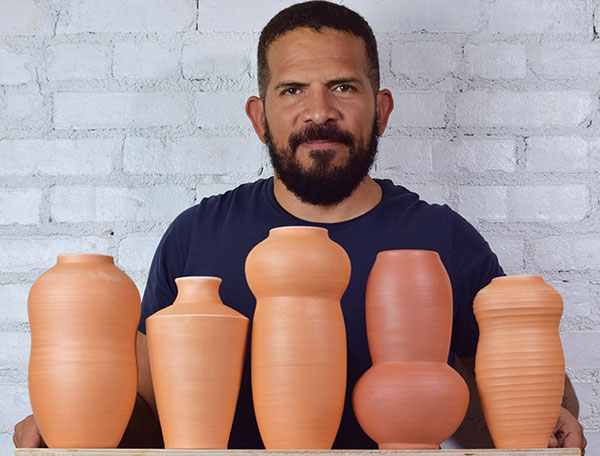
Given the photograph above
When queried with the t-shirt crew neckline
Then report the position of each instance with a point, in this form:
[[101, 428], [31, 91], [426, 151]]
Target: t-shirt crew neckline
[[270, 194]]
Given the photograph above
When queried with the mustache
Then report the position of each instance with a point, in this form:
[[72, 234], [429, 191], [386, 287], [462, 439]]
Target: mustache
[[325, 132]]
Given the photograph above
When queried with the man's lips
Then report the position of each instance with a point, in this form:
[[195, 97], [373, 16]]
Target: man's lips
[[320, 144]]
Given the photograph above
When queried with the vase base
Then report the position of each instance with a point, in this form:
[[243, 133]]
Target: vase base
[[408, 446]]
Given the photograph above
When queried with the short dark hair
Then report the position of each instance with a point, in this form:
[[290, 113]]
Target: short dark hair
[[316, 15]]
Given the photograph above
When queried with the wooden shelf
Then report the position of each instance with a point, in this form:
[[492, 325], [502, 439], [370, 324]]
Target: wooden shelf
[[156, 452]]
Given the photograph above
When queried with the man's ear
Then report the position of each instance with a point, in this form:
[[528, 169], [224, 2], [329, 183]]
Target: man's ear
[[256, 113], [385, 106]]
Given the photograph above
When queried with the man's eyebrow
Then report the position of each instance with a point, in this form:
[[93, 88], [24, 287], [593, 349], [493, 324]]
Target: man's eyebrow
[[339, 81], [288, 84]]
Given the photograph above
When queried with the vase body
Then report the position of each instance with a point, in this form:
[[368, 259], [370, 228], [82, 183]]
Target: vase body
[[410, 397], [298, 364], [196, 349], [519, 366], [83, 314]]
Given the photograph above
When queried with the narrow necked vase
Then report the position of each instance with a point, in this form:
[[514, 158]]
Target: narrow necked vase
[[83, 315], [519, 366], [298, 275], [410, 398], [196, 348]]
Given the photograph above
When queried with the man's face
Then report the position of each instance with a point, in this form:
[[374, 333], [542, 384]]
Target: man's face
[[320, 123]]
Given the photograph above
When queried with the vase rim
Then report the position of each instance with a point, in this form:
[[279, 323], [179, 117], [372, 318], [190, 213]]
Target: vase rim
[[518, 277], [408, 251], [84, 258], [298, 228], [198, 279], [157, 315]]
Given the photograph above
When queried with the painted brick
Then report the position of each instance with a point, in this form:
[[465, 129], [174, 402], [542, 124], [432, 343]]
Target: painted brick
[[403, 154], [29, 253], [560, 154], [14, 350], [57, 157], [496, 60], [120, 110], [20, 206], [145, 16], [13, 302], [215, 57], [206, 190], [423, 58], [576, 298], [557, 253], [145, 60], [433, 194], [483, 203], [194, 155], [594, 148], [245, 16], [107, 204], [478, 156], [136, 251], [567, 60], [510, 251], [14, 68], [581, 349], [538, 16], [24, 109], [79, 61], [548, 203], [404, 16], [424, 109], [221, 110], [14, 402], [523, 109], [19, 17]]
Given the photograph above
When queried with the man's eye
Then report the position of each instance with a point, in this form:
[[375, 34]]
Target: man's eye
[[344, 88], [291, 91]]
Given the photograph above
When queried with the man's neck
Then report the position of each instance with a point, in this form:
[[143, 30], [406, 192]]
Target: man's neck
[[366, 196]]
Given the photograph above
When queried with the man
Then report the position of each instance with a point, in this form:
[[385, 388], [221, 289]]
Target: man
[[320, 113]]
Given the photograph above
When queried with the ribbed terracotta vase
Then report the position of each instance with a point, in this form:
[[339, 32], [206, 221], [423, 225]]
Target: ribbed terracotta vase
[[196, 348], [83, 314], [410, 398], [519, 367], [298, 276]]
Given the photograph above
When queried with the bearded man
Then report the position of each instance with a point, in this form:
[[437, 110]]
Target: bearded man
[[320, 113]]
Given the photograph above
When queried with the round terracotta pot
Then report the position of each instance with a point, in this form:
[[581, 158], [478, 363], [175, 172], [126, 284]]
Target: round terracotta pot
[[83, 314], [298, 365], [196, 349], [519, 366], [410, 397]]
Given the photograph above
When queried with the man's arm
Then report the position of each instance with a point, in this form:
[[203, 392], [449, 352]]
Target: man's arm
[[143, 430], [568, 432]]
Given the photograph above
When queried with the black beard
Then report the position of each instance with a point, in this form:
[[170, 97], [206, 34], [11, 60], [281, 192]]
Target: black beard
[[323, 184]]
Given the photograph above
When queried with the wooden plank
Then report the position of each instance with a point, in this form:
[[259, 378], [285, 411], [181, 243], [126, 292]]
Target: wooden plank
[[160, 452]]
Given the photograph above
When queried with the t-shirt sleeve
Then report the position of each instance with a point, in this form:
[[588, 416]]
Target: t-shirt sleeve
[[168, 264], [475, 266]]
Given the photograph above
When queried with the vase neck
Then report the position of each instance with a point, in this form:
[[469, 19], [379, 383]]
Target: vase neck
[[201, 289], [83, 258]]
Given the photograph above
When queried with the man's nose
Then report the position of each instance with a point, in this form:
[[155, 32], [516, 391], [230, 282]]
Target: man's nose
[[320, 107]]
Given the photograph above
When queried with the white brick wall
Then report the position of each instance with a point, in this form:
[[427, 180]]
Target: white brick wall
[[117, 115]]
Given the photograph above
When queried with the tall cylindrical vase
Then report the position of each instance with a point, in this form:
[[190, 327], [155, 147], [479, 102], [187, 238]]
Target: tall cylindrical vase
[[196, 348], [519, 366], [298, 276], [410, 397], [83, 315]]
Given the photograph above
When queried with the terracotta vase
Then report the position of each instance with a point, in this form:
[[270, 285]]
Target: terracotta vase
[[298, 365], [83, 314], [196, 349], [519, 367], [410, 398]]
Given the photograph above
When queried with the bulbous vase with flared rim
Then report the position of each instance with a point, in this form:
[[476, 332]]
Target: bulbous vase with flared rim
[[410, 398], [83, 314], [519, 366], [298, 276], [196, 348]]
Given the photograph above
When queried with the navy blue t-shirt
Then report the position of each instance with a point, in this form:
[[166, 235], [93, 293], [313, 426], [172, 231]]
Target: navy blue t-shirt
[[214, 237]]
